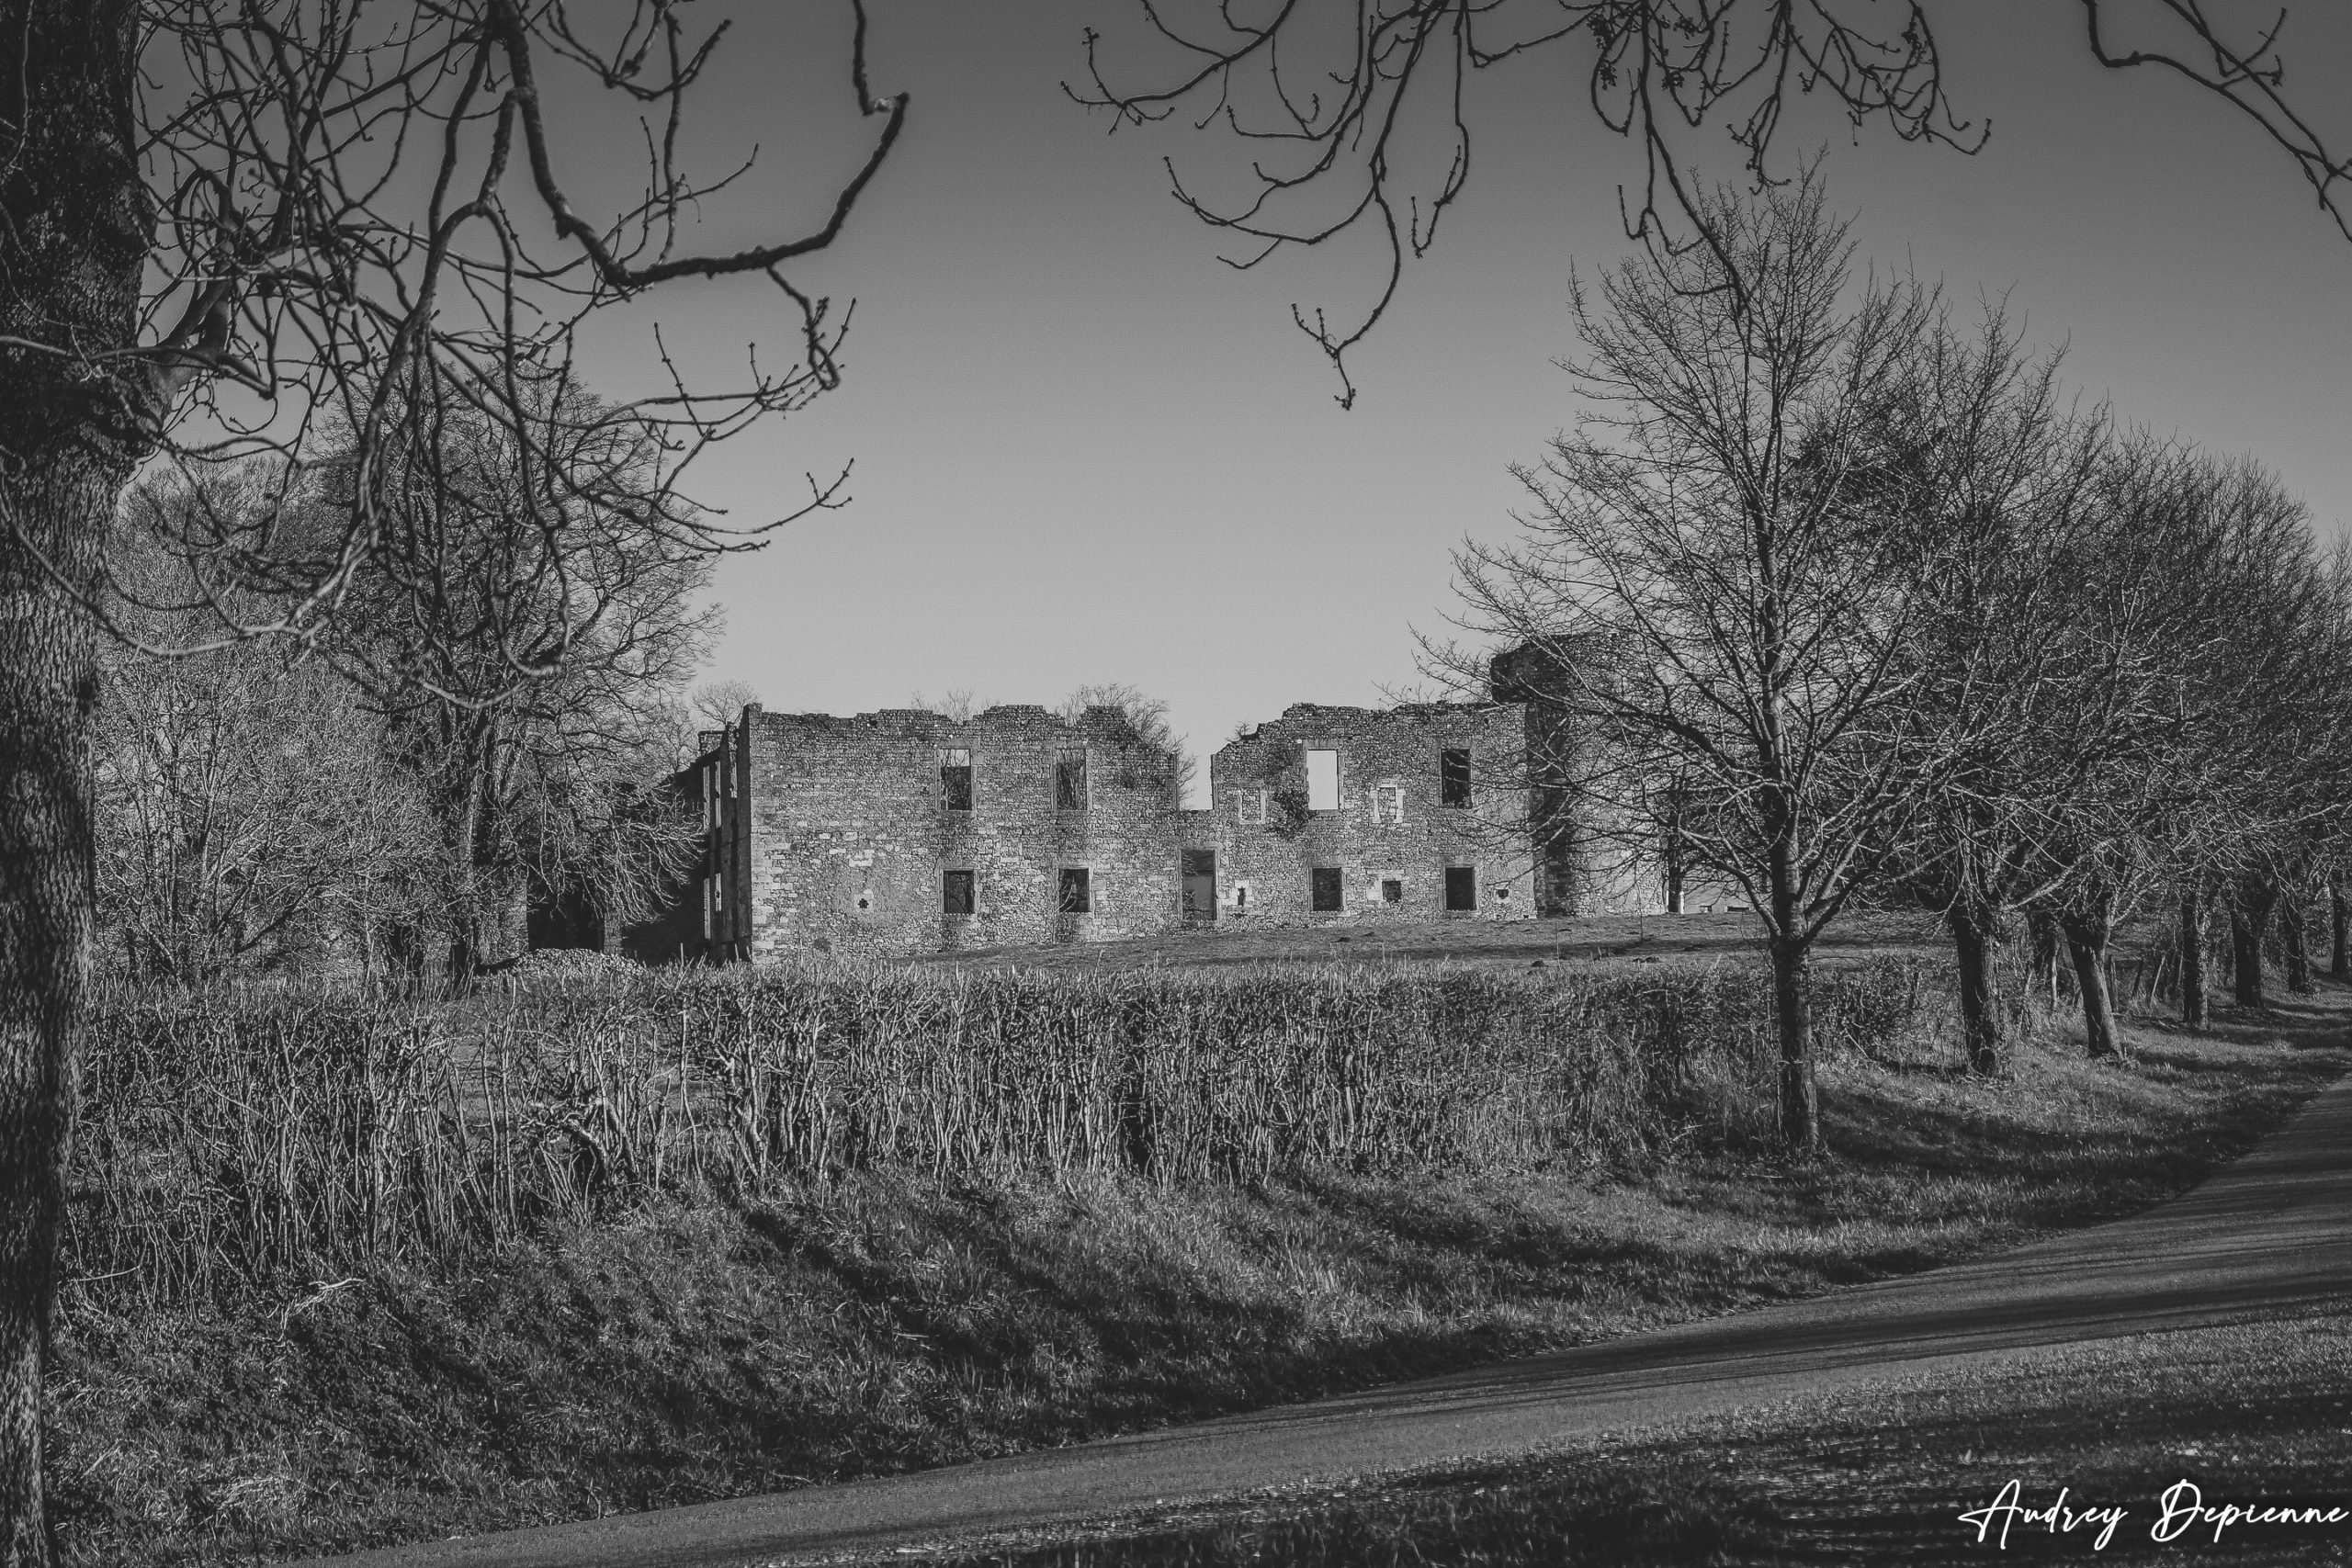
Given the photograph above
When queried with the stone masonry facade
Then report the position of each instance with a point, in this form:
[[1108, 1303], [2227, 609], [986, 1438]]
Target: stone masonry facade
[[903, 831]]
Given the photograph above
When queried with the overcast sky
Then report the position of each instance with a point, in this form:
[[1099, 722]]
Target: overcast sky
[[1085, 451]]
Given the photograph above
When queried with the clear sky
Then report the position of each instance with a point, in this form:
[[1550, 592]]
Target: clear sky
[[1085, 451]]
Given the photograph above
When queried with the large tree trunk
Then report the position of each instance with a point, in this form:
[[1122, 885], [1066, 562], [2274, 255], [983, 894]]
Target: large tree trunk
[[489, 924], [2339, 925], [465, 872], [72, 235], [2249, 918], [2195, 1004], [1793, 1009], [2086, 945], [48, 684], [2291, 928], [1976, 939]]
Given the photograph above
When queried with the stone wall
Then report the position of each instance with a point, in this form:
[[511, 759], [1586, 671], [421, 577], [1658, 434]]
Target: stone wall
[[1386, 829], [1583, 866], [838, 834], [851, 834]]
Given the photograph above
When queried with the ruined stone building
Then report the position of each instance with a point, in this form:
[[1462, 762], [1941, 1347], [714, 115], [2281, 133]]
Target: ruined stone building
[[904, 832]]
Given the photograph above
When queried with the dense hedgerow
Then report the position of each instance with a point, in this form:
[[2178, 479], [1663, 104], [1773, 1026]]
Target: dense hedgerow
[[235, 1135]]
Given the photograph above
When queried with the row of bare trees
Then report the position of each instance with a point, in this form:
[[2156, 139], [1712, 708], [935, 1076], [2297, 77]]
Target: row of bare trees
[[1895, 619]]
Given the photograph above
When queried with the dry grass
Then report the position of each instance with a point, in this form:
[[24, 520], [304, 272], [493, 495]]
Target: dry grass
[[682, 1339], [242, 1137]]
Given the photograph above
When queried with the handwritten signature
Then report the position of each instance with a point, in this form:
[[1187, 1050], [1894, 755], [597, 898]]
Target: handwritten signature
[[2181, 1508]]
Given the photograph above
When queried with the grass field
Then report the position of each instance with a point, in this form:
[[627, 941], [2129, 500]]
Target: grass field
[[693, 1343]]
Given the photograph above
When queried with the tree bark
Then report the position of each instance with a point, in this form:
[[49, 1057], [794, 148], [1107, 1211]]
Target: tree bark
[[1976, 944], [2249, 918], [73, 237], [489, 918], [2086, 945], [2195, 1004], [2292, 924], [1793, 1008], [2339, 924]]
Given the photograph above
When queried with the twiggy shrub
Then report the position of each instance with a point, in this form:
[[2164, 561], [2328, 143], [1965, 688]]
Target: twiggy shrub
[[237, 1135]]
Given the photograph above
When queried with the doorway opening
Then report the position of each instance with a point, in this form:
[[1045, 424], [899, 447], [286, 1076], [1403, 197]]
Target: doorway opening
[[1200, 886]]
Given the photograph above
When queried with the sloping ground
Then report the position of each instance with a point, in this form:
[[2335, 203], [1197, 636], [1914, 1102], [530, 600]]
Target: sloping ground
[[888, 1323], [2269, 1238]]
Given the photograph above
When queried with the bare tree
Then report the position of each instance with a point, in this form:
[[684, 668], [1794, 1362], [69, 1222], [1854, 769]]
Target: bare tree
[[229, 225], [716, 704], [1999, 474], [2209, 631], [244, 816], [956, 705], [1352, 117], [246, 819], [553, 544], [1716, 551], [1146, 719]]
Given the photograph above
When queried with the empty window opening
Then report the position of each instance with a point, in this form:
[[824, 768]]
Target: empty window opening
[[1242, 896], [1249, 808], [1454, 778], [955, 778], [1322, 781], [1388, 804], [1078, 897], [1325, 882], [1070, 781], [1392, 889], [1461, 887], [955, 893], [1197, 869]]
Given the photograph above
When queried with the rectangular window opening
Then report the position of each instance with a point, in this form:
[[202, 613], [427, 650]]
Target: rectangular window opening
[[1070, 781], [1392, 890], [1322, 781], [955, 778], [1454, 778], [956, 893], [1461, 887], [1078, 897], [1325, 882]]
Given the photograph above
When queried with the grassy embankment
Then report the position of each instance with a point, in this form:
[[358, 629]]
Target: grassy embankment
[[357, 1272]]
